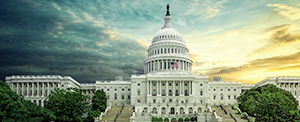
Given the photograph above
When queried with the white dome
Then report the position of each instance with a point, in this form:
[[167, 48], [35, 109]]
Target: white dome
[[167, 34]]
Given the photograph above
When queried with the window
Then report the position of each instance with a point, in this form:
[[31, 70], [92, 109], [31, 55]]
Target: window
[[221, 89], [128, 89], [170, 84], [214, 89], [115, 89], [228, 89], [153, 100], [163, 84], [176, 84], [122, 97], [185, 84], [228, 97], [234, 97], [153, 84], [138, 92], [201, 101], [201, 84], [234, 89], [122, 89], [138, 84], [186, 101], [221, 97], [115, 95], [107, 89], [138, 101], [214, 97], [200, 92], [107, 96], [128, 97]]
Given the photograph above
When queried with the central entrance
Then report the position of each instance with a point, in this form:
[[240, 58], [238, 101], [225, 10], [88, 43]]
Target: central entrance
[[172, 110]]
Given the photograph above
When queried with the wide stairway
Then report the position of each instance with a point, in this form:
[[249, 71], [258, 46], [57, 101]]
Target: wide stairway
[[227, 117], [123, 117], [125, 114]]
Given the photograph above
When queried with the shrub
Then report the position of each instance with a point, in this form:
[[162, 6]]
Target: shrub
[[173, 119], [166, 120], [180, 120], [186, 119]]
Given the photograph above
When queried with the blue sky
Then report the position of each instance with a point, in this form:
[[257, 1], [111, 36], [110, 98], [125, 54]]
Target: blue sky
[[239, 40]]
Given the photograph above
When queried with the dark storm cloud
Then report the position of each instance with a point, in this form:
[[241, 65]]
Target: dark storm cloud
[[47, 37]]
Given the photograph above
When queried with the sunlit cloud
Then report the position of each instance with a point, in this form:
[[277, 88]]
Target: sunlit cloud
[[292, 13]]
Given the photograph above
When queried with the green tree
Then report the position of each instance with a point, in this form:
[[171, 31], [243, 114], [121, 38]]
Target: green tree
[[67, 105], [99, 101], [154, 119], [11, 103], [269, 103]]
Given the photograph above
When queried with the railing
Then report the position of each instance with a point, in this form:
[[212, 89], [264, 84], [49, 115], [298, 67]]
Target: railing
[[153, 94], [163, 95], [170, 94], [177, 95], [102, 114]]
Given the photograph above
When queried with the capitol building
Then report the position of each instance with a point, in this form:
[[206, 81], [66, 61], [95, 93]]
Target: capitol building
[[167, 87]]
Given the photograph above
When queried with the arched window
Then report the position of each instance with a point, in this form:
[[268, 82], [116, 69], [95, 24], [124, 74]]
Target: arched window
[[115, 95], [221, 96], [163, 111], [199, 110], [123, 97]]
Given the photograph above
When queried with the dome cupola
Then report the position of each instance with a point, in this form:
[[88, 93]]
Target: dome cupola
[[167, 52]]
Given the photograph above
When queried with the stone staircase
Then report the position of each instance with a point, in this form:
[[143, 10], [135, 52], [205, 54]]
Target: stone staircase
[[111, 114], [125, 114], [123, 117], [227, 117]]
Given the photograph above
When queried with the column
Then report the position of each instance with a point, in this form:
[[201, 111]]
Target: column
[[151, 87], [163, 65], [148, 89], [23, 88], [193, 92], [173, 88], [189, 88], [17, 90], [43, 90], [27, 87], [167, 90], [38, 89], [180, 88], [148, 68], [160, 87], [48, 92], [166, 64], [156, 88], [183, 63], [144, 68], [191, 67], [32, 89], [158, 65]]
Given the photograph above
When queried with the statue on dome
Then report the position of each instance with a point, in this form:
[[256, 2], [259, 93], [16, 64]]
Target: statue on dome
[[168, 12]]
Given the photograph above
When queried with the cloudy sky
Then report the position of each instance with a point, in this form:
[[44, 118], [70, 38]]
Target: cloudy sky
[[91, 40]]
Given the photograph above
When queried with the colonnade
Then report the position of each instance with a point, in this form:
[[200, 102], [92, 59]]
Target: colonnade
[[158, 65], [30, 89], [293, 88], [159, 90], [167, 51]]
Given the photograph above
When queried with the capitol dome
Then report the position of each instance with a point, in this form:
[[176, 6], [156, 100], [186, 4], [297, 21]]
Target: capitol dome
[[167, 52]]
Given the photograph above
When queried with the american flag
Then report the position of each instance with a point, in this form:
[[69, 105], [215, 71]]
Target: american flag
[[174, 64]]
